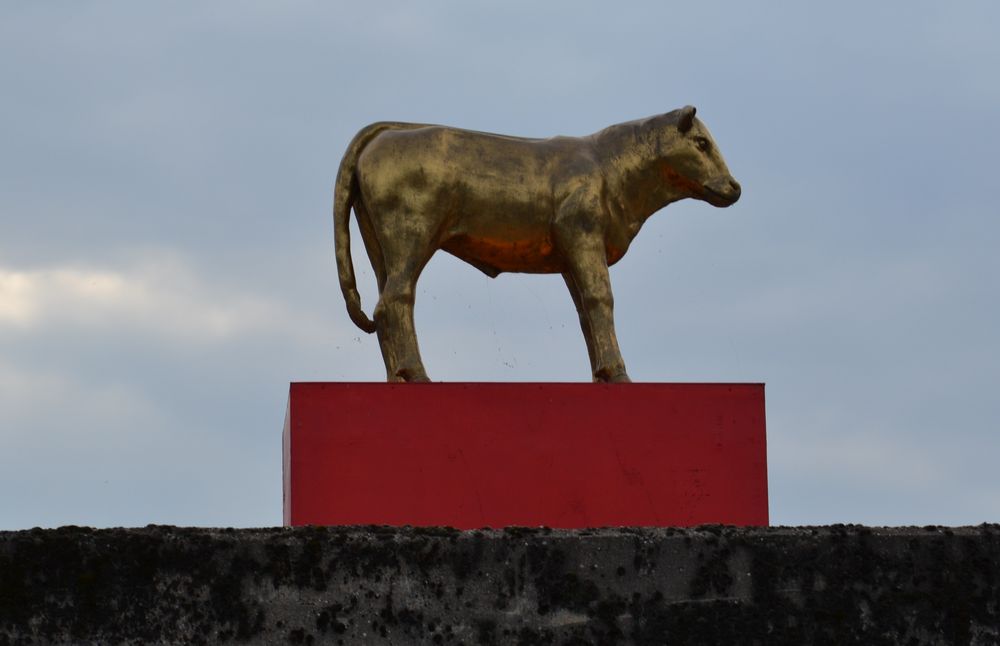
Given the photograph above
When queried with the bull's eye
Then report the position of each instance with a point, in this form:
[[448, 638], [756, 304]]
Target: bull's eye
[[703, 144]]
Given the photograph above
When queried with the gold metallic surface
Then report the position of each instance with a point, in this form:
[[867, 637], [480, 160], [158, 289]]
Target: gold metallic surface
[[567, 205]]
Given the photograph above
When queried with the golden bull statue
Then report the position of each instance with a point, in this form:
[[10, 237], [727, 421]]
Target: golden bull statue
[[567, 205]]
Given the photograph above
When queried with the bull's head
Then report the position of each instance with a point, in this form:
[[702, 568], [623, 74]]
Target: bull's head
[[696, 159]]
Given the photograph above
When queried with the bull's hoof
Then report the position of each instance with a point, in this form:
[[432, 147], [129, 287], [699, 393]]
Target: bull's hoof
[[411, 376], [603, 377]]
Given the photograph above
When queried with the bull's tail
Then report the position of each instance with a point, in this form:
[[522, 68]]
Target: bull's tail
[[345, 192]]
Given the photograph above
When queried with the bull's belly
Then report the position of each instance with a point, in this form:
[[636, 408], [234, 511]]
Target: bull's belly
[[496, 255]]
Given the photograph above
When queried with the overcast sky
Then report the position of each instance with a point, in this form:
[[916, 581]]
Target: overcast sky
[[166, 256]]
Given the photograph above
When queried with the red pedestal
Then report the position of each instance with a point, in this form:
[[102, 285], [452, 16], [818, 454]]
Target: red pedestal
[[471, 455]]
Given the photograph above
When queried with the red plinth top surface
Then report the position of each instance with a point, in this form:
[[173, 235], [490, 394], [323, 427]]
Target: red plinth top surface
[[575, 455]]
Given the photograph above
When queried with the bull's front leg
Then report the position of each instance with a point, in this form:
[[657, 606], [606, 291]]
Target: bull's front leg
[[581, 243], [584, 320]]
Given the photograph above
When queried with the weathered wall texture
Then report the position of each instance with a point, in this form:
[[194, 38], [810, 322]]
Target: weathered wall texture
[[351, 585]]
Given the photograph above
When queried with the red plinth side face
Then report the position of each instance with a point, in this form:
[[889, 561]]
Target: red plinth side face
[[472, 455]]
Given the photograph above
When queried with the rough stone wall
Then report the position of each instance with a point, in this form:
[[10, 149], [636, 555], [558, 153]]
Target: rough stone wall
[[374, 585]]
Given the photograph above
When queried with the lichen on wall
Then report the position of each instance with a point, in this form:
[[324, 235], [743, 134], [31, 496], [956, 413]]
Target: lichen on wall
[[380, 585]]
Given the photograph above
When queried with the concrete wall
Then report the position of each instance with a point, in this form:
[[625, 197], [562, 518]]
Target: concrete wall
[[710, 585]]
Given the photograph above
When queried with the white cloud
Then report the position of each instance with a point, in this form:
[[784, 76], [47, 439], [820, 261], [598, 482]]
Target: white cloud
[[17, 307], [160, 296]]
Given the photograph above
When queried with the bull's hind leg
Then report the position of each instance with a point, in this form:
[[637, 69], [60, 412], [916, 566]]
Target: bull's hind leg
[[396, 332], [405, 257]]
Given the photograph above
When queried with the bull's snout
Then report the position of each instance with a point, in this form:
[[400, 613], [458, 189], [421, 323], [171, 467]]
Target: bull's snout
[[722, 191], [735, 188]]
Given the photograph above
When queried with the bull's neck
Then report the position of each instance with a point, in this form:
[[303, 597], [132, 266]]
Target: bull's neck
[[639, 177]]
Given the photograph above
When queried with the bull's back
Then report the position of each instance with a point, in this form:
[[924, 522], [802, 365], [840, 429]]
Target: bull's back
[[476, 169]]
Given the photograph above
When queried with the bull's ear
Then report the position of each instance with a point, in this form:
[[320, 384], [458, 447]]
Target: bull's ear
[[687, 118]]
